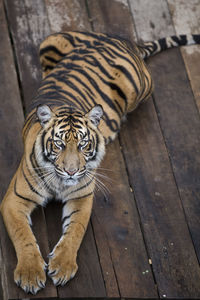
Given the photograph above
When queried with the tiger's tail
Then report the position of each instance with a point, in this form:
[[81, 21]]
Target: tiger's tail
[[151, 48]]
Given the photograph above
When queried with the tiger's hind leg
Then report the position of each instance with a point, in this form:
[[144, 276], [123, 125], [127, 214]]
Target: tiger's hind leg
[[62, 260], [30, 272], [54, 48]]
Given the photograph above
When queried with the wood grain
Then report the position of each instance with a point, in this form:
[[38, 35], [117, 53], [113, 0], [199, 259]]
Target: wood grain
[[115, 19], [28, 25], [67, 15], [21, 32], [185, 16], [116, 222], [117, 231], [11, 122], [173, 255], [11, 144]]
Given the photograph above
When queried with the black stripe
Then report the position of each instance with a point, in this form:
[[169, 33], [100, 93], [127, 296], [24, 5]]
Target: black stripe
[[29, 118], [73, 222], [82, 83], [102, 38], [77, 126], [102, 94], [37, 170], [46, 68], [119, 107], [51, 59], [50, 99], [82, 187], [43, 143], [162, 43], [22, 197], [96, 148], [110, 62], [69, 216], [74, 88], [196, 38], [153, 46], [31, 186], [91, 60], [113, 86], [181, 40], [63, 126], [51, 48], [69, 38], [87, 43], [103, 49], [67, 93]]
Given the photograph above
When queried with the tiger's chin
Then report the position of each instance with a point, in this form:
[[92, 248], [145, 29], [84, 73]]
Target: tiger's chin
[[70, 181]]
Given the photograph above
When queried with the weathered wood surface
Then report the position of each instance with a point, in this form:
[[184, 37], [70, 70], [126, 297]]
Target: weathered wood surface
[[185, 16], [179, 121], [123, 232], [151, 213], [11, 144], [11, 122], [28, 25]]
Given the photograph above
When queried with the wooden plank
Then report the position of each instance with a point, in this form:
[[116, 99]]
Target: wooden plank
[[147, 26], [67, 15], [88, 282], [10, 105], [166, 233], [107, 20], [120, 234], [10, 149], [28, 25], [18, 13], [11, 144], [185, 16], [181, 126], [117, 230], [3, 292], [174, 260]]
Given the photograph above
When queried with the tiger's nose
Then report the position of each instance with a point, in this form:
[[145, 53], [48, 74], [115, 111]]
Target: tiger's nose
[[71, 172]]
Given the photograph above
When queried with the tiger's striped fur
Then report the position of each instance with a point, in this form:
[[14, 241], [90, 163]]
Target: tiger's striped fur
[[151, 48], [90, 82]]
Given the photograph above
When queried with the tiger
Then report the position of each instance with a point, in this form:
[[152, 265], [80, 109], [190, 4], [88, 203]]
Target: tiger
[[90, 82]]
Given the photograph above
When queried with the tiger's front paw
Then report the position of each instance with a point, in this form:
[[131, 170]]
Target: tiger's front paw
[[62, 266], [30, 274]]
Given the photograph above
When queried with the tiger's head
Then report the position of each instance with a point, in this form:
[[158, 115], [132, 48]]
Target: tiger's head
[[69, 142]]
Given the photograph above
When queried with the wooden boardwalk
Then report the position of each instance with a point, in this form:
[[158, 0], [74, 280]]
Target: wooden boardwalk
[[143, 240]]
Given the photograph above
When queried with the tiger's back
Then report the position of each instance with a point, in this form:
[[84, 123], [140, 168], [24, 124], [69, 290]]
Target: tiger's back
[[85, 69]]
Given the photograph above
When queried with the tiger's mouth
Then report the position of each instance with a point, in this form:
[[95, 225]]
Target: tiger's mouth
[[69, 180]]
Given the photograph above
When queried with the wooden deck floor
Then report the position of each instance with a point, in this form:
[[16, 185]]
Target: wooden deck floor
[[143, 240]]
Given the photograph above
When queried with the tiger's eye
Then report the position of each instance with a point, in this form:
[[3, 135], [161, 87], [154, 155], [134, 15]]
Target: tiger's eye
[[59, 143], [83, 143]]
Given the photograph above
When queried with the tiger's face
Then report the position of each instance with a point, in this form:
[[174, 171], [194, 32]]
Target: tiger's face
[[71, 142]]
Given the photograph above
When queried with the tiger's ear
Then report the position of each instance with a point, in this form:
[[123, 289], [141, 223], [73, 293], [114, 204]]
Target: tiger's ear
[[95, 114], [44, 114]]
